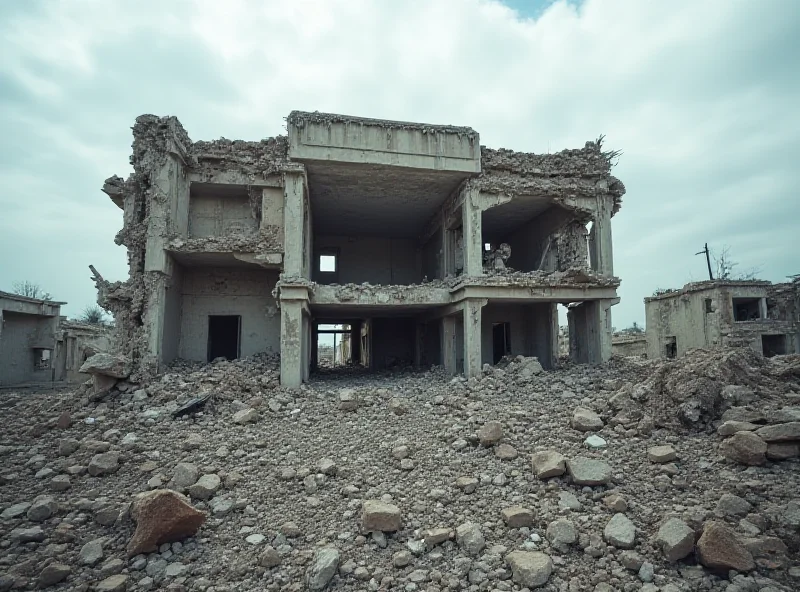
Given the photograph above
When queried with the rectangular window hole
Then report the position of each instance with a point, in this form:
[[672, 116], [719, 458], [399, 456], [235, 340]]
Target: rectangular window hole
[[327, 263], [671, 347], [224, 336], [746, 309]]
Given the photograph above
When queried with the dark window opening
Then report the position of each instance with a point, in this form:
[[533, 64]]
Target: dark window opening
[[501, 341], [773, 345], [746, 309], [224, 332], [41, 358], [709, 306], [671, 347]]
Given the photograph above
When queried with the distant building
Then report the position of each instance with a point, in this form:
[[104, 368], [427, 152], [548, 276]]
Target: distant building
[[77, 342], [629, 344], [27, 339], [755, 314]]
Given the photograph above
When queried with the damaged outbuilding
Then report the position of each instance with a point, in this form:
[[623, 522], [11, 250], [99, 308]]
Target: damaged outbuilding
[[411, 242]]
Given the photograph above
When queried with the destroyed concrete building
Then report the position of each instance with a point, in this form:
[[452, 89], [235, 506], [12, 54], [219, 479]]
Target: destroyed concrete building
[[629, 344], [27, 339], [724, 313], [422, 246], [76, 342]]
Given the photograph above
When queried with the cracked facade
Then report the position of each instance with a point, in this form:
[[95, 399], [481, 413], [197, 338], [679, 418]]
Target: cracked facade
[[756, 314], [420, 245]]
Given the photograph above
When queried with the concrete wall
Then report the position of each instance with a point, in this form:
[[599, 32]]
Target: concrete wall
[[220, 216], [431, 335], [371, 259], [684, 318], [393, 340], [172, 315], [529, 241], [226, 291], [20, 334], [629, 346]]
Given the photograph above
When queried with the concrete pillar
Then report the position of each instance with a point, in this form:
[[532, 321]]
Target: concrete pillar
[[291, 343], [600, 244], [355, 342], [473, 234], [472, 336], [449, 344], [590, 332], [294, 225]]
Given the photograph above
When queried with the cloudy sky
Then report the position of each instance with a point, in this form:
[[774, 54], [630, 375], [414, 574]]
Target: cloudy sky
[[701, 95]]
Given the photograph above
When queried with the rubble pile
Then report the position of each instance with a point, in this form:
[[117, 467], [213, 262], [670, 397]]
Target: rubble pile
[[567, 480]]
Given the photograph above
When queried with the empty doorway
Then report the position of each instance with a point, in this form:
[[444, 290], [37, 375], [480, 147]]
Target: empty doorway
[[501, 341], [224, 333], [773, 345]]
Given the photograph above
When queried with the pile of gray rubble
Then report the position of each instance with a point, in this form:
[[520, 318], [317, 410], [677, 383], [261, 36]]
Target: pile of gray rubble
[[635, 476]]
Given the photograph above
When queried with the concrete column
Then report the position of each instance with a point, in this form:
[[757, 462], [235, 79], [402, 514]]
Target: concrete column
[[600, 244], [472, 336], [355, 341], [291, 343], [590, 332], [294, 225], [449, 344], [473, 234]]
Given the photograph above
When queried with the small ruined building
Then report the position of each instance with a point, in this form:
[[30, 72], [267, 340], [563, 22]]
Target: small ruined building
[[629, 344], [409, 243], [755, 314], [27, 339], [76, 342]]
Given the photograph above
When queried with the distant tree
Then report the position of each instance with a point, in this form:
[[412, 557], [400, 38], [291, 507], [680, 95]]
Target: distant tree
[[93, 315], [30, 290], [726, 267], [662, 291]]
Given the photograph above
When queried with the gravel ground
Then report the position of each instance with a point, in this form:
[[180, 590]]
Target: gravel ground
[[295, 468]]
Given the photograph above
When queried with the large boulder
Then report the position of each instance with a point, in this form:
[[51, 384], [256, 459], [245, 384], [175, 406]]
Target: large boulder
[[744, 447], [720, 549], [620, 531], [107, 365], [782, 432], [162, 516], [529, 569]]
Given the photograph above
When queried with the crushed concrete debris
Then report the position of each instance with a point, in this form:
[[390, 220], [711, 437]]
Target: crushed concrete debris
[[305, 492]]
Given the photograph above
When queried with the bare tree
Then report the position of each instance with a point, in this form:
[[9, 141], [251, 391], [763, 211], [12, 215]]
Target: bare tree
[[634, 329], [31, 290], [726, 267], [93, 315]]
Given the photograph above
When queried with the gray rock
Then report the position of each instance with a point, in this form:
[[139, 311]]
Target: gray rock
[[530, 569], [107, 365], [548, 463], [470, 538], [27, 535], [269, 558], [491, 433], [568, 501], [60, 483], [104, 464], [206, 487], [15, 511], [661, 454], [117, 583], [245, 416], [92, 552], [647, 572], [348, 400], [587, 471], [43, 507], [730, 427], [782, 432], [184, 475], [732, 505], [377, 515], [561, 532], [675, 538], [744, 447], [620, 532], [401, 559], [586, 420], [323, 567], [53, 574]]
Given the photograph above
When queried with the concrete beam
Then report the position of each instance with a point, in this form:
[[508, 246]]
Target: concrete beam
[[399, 296], [235, 177]]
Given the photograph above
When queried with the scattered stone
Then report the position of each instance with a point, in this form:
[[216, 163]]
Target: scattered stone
[[470, 539], [398, 406], [206, 487], [505, 452], [107, 365], [436, 536], [60, 483], [732, 505], [744, 447], [27, 535], [104, 464], [348, 400], [467, 484], [661, 454], [586, 420], [594, 442], [53, 574], [323, 567], [327, 466], [561, 532], [15, 511], [782, 432], [67, 446], [117, 583], [783, 450], [675, 538], [730, 427], [615, 502], [245, 416], [92, 552], [401, 559], [720, 549], [517, 517], [587, 471], [269, 558], [43, 507], [620, 532], [162, 516], [530, 569], [185, 474], [548, 463], [491, 433], [64, 420], [377, 515]]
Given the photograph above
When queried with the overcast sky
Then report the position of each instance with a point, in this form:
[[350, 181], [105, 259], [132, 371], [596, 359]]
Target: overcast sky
[[703, 97]]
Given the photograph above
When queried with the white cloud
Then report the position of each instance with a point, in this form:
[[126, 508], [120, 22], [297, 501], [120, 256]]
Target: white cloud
[[700, 96]]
